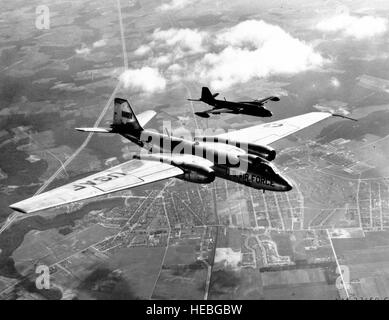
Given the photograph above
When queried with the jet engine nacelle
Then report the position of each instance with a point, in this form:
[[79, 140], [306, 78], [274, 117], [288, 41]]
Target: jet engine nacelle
[[197, 174], [252, 160], [264, 152], [193, 172]]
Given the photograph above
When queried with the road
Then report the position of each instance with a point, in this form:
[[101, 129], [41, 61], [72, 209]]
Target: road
[[83, 145], [103, 112]]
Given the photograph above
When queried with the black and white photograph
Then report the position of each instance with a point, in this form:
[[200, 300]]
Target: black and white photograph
[[201, 151]]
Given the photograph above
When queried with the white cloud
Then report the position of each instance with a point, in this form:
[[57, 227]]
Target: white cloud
[[83, 51], [335, 82], [162, 60], [249, 50], [99, 43], [251, 33], [359, 27], [187, 41], [169, 46], [142, 50], [175, 68], [175, 4], [256, 49], [175, 72], [146, 79]]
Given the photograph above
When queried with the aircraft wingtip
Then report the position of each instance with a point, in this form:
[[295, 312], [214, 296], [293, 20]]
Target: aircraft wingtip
[[17, 208], [344, 117]]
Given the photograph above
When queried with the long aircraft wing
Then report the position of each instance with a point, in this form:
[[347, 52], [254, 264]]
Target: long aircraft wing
[[267, 133], [261, 101], [124, 176], [267, 99]]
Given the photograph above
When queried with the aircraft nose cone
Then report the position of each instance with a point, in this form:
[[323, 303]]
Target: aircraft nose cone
[[268, 113], [287, 185]]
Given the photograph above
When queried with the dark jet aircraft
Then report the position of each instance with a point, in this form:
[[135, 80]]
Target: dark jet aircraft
[[252, 108]]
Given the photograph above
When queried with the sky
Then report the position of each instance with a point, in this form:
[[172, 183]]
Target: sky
[[237, 53]]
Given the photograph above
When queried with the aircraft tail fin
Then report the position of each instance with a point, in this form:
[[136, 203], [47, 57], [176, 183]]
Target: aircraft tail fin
[[95, 130], [124, 117], [206, 95]]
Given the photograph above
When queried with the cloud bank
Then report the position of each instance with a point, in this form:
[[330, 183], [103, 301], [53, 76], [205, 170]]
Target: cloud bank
[[175, 5], [256, 49], [84, 51], [186, 40], [359, 27], [146, 79], [249, 50], [142, 50], [99, 43]]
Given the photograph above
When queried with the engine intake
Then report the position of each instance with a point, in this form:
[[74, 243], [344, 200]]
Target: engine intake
[[193, 172], [198, 174]]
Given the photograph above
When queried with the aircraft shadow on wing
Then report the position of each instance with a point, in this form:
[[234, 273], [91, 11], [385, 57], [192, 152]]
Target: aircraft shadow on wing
[[253, 107]]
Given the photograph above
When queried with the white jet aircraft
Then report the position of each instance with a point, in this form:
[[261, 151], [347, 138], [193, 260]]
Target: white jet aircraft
[[242, 156]]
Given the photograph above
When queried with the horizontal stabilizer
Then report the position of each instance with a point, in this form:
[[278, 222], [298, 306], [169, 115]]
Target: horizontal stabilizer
[[145, 117], [97, 130]]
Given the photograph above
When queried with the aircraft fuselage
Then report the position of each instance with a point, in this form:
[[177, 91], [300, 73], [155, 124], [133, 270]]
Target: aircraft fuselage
[[249, 108], [226, 164]]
